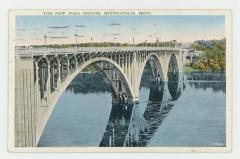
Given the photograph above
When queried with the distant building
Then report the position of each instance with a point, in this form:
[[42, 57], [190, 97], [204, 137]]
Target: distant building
[[174, 42], [193, 55]]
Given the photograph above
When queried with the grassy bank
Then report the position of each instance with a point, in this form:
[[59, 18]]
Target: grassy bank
[[189, 69]]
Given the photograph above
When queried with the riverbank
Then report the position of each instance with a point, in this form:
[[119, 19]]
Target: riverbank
[[189, 69]]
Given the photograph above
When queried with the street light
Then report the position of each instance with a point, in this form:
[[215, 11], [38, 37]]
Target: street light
[[92, 41], [76, 35], [115, 38], [115, 41], [45, 39]]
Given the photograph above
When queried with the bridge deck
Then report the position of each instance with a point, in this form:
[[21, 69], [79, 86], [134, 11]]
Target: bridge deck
[[30, 52]]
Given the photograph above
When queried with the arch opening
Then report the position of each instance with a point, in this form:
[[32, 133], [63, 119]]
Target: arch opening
[[54, 73], [64, 68], [72, 63], [173, 77], [113, 76], [43, 76], [152, 71]]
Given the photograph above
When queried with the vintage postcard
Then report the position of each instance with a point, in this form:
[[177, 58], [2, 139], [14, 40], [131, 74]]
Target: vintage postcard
[[119, 81]]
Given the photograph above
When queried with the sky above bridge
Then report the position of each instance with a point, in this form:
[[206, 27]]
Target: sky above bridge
[[30, 30]]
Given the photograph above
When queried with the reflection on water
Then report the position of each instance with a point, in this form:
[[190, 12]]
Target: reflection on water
[[127, 128], [177, 113], [144, 127], [86, 83], [118, 124], [215, 81]]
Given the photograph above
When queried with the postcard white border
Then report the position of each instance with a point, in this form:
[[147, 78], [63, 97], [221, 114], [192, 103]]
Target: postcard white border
[[11, 80]]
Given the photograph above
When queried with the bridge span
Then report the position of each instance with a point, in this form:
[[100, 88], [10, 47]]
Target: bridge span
[[43, 74]]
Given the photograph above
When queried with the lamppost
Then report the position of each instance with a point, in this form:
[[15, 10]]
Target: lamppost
[[115, 38], [92, 41], [45, 39], [115, 41], [76, 41]]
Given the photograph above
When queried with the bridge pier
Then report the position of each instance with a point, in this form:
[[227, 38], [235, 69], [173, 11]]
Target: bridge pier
[[48, 84], [59, 75]]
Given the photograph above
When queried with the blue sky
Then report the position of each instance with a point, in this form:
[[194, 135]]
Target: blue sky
[[61, 29]]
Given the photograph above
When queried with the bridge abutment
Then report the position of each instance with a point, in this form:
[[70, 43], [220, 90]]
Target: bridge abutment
[[26, 98]]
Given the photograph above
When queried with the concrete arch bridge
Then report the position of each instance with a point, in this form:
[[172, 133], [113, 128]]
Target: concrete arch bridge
[[42, 75]]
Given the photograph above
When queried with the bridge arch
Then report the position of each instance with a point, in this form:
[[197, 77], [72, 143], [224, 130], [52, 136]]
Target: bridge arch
[[62, 87], [159, 64], [173, 75], [173, 64], [174, 56]]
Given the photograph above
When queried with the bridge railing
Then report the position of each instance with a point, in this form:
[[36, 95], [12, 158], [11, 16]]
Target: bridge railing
[[48, 51]]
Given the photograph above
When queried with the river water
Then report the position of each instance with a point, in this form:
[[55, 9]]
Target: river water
[[187, 113]]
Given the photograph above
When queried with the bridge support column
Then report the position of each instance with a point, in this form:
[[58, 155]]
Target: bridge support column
[[135, 80], [68, 65], [128, 66], [59, 75], [48, 83], [124, 63], [119, 60], [165, 70], [76, 64]]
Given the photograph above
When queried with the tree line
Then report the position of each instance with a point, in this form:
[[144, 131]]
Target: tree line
[[109, 44], [214, 57]]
